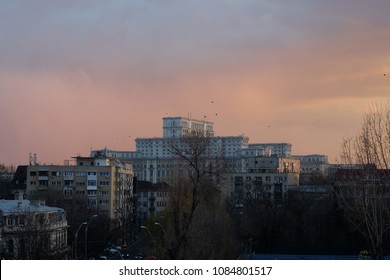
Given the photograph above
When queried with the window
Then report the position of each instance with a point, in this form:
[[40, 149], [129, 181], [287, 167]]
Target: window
[[10, 222], [91, 202], [103, 212], [43, 173], [68, 182], [33, 173], [43, 182], [91, 183], [103, 202], [67, 192]]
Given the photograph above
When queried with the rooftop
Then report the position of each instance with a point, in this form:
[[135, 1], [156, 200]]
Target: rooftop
[[15, 206]]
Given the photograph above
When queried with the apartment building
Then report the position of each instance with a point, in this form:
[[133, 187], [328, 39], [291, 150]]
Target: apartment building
[[313, 164], [100, 184], [151, 199], [263, 177], [30, 230]]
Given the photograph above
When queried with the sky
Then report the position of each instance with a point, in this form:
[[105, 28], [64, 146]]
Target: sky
[[81, 75]]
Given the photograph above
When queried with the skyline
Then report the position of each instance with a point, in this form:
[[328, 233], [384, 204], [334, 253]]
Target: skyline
[[77, 76]]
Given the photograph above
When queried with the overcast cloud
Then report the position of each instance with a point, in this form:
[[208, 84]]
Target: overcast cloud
[[76, 75]]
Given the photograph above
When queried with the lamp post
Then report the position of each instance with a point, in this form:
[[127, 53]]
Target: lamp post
[[163, 239], [75, 239], [86, 239], [116, 251], [151, 236], [158, 224]]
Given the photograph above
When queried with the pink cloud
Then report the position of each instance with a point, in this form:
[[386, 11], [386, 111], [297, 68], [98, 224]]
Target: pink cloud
[[80, 76]]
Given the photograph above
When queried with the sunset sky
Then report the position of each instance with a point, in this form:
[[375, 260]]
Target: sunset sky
[[81, 75]]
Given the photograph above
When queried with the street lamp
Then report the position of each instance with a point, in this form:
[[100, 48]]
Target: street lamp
[[75, 239], [158, 224], [86, 233], [116, 251], [151, 236]]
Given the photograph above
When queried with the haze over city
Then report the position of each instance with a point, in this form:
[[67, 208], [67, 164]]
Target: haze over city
[[82, 75]]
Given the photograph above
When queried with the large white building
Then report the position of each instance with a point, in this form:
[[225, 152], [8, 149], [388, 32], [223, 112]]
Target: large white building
[[153, 160], [275, 149], [179, 126]]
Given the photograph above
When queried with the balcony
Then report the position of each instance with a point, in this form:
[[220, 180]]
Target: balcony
[[92, 176], [42, 187], [68, 177], [92, 188]]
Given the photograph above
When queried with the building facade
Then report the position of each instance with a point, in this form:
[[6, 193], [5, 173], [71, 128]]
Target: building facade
[[30, 230], [154, 158], [313, 164], [179, 127], [263, 178], [276, 149], [103, 185], [314, 168], [152, 199]]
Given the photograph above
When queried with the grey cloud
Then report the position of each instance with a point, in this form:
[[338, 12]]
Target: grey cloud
[[156, 40]]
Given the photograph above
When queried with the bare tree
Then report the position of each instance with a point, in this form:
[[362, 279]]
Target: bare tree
[[194, 185], [363, 189], [6, 176], [6, 169]]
